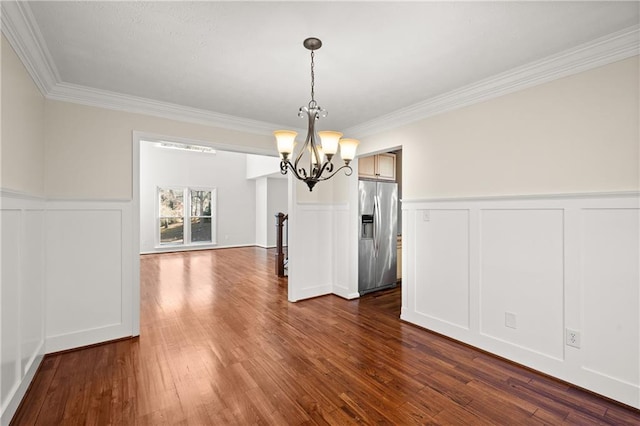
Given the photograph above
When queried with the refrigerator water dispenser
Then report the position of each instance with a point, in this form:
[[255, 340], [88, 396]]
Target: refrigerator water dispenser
[[367, 226]]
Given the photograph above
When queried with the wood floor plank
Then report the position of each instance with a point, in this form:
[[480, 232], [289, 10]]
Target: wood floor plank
[[220, 344]]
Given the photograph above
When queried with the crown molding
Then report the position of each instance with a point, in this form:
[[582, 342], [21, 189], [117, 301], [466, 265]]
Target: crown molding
[[602, 51], [20, 28], [104, 99]]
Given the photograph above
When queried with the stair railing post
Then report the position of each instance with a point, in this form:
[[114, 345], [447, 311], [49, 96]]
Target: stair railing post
[[280, 217]]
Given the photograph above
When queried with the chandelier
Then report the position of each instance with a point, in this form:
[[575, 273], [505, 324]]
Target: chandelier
[[319, 157]]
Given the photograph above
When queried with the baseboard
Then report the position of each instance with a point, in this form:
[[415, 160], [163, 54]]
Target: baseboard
[[63, 342], [311, 292], [175, 249], [21, 391], [344, 293]]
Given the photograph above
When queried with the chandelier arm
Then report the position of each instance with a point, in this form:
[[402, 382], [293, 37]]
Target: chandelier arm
[[326, 166], [299, 156], [319, 168], [349, 169], [286, 166]]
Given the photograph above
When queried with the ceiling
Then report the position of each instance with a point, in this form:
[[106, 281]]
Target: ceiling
[[246, 59]]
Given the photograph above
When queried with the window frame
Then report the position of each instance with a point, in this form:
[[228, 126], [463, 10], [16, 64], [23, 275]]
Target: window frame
[[186, 217], [159, 217]]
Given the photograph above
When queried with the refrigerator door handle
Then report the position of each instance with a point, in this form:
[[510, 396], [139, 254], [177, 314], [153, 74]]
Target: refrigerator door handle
[[375, 225]]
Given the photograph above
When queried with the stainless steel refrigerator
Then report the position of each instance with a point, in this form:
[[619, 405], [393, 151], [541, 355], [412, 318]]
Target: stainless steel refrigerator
[[377, 252]]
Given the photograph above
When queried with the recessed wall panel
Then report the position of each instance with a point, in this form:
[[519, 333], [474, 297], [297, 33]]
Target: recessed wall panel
[[310, 252], [610, 279], [442, 265], [521, 278], [10, 223], [84, 270], [32, 289]]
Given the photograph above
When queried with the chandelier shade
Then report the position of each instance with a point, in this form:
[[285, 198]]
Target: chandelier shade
[[320, 155], [285, 140]]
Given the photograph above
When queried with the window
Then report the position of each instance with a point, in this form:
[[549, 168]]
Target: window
[[186, 216], [171, 216], [201, 216]]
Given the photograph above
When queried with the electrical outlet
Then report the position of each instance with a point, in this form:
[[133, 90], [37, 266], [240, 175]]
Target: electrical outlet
[[510, 320], [573, 338], [425, 215]]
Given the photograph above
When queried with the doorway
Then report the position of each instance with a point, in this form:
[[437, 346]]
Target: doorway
[[140, 142]]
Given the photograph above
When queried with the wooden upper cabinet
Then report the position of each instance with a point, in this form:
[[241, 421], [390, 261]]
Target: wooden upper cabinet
[[367, 167], [381, 166], [386, 166]]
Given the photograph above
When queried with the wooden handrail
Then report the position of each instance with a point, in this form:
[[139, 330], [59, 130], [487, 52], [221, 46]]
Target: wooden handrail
[[280, 257]]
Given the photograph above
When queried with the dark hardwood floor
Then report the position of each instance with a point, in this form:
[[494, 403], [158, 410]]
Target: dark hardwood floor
[[220, 344]]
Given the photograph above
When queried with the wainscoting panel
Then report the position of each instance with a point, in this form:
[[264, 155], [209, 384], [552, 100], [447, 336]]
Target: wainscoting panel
[[32, 297], [610, 277], [342, 249], [522, 277], [510, 275], [89, 273], [310, 251], [22, 296], [442, 241], [10, 353]]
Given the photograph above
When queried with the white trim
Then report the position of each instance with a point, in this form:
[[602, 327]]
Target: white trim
[[311, 292], [220, 146], [178, 248], [80, 338], [18, 25], [20, 195], [575, 195], [601, 51], [84, 95], [344, 293], [21, 390], [262, 246], [21, 30]]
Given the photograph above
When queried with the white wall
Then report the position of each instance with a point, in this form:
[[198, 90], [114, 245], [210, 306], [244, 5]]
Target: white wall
[[575, 134], [277, 202], [271, 196], [22, 255], [89, 153], [260, 166], [262, 192], [225, 171], [22, 153]]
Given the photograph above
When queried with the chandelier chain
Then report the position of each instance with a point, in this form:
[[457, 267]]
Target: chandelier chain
[[313, 79]]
